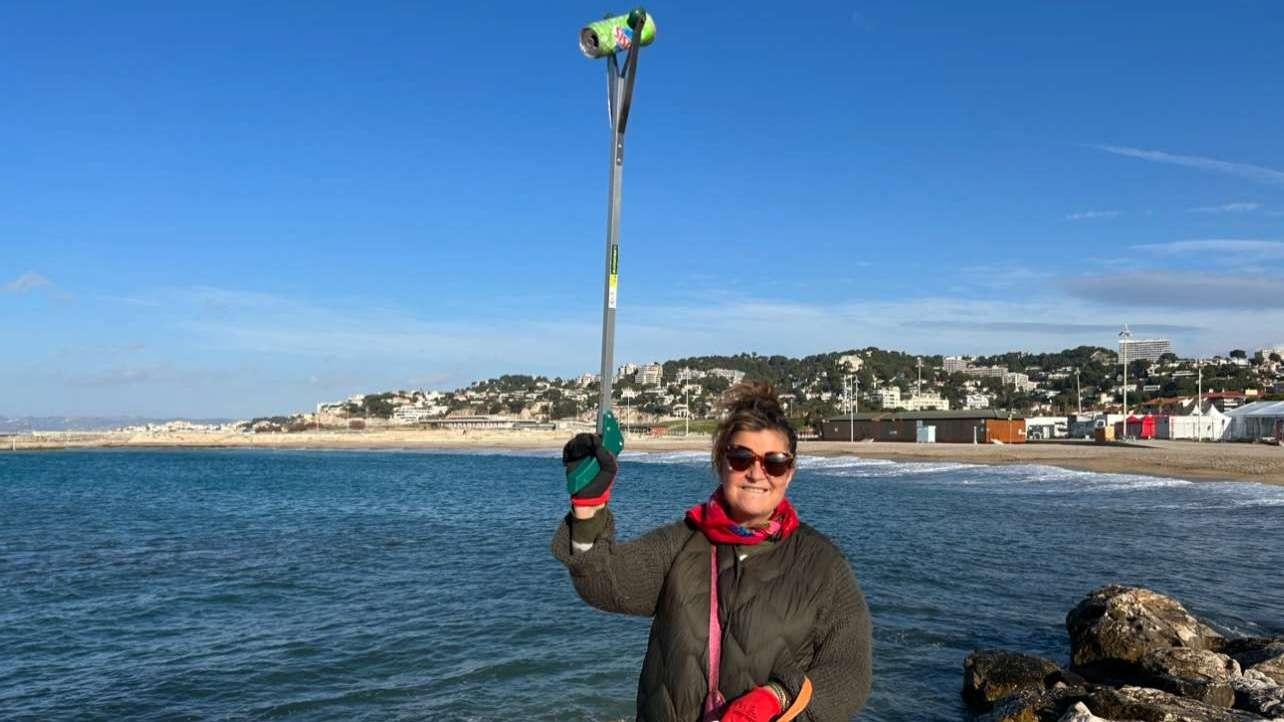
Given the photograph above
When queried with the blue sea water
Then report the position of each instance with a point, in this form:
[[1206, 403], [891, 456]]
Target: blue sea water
[[246, 584]]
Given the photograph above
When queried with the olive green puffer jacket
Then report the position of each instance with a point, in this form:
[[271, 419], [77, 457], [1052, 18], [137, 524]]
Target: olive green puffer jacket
[[788, 611]]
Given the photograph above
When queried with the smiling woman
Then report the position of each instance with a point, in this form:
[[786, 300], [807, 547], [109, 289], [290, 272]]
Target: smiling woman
[[787, 631]]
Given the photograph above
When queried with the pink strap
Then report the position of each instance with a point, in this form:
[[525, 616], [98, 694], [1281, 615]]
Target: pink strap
[[714, 701]]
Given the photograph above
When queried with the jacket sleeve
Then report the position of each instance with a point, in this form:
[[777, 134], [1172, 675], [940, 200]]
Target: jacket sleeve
[[623, 578], [841, 668]]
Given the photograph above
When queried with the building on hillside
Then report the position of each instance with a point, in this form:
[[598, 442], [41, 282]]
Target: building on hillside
[[976, 400], [651, 375], [888, 398], [1225, 400], [586, 379], [1265, 353], [954, 364], [982, 426], [1165, 405], [731, 375], [687, 373], [1144, 348], [418, 414], [1106, 358], [852, 361], [625, 371], [925, 401], [1020, 381], [984, 371]]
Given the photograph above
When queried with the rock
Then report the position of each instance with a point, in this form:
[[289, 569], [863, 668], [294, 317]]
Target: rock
[[1264, 654], [1259, 693], [1152, 705], [1032, 705], [1249, 651], [1115, 626], [992, 674], [1019, 707], [1195, 673], [1273, 668], [1080, 713]]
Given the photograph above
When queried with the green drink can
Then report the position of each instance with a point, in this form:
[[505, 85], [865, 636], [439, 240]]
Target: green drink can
[[613, 35]]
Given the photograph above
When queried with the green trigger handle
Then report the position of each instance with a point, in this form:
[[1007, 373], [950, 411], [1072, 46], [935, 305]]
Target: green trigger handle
[[584, 472]]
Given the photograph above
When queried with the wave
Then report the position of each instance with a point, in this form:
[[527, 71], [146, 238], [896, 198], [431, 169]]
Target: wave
[[666, 457]]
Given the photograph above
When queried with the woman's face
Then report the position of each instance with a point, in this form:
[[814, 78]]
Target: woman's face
[[753, 494]]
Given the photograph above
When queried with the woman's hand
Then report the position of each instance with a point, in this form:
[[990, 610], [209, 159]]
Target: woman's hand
[[587, 501], [760, 704]]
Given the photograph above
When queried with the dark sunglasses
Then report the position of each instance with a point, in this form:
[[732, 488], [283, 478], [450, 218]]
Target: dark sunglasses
[[775, 463]]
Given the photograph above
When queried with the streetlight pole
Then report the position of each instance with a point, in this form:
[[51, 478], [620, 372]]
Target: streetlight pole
[[687, 389], [1078, 392], [851, 418], [1199, 400], [1124, 335]]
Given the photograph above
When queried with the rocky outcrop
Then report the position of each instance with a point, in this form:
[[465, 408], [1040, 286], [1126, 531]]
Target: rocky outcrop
[[1080, 713], [1115, 626], [990, 675], [1260, 654], [1260, 694], [1136, 656], [1153, 705], [1196, 673], [1272, 668]]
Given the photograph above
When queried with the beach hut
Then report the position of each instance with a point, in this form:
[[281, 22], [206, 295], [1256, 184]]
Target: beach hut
[[1258, 420], [1150, 426]]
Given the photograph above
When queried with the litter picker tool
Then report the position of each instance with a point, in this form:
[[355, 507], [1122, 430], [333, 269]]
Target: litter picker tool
[[608, 38]]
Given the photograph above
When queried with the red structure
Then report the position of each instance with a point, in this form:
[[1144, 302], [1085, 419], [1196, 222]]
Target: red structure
[[1146, 427]]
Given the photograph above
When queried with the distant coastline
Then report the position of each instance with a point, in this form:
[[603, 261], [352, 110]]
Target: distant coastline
[[1173, 459]]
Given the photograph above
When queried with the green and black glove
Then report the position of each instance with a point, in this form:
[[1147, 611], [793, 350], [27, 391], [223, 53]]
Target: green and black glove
[[580, 450]]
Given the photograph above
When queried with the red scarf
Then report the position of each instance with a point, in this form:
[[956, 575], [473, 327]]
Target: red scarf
[[711, 518]]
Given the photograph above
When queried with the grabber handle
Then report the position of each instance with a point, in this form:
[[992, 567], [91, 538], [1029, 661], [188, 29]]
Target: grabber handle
[[585, 471]]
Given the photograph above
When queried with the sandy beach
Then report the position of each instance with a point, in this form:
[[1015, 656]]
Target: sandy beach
[[1175, 459]]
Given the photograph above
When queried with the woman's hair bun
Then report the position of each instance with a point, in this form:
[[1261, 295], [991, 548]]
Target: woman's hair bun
[[757, 396]]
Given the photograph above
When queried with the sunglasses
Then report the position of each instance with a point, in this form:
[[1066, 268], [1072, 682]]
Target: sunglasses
[[775, 463]]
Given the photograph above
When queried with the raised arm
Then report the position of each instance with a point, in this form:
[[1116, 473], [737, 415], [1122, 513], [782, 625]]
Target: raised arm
[[623, 578]]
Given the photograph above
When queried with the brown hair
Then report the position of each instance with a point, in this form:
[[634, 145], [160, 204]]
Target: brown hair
[[750, 406]]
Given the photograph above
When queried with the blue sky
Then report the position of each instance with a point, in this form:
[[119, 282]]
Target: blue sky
[[237, 208]]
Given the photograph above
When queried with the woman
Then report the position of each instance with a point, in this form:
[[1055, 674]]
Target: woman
[[788, 629]]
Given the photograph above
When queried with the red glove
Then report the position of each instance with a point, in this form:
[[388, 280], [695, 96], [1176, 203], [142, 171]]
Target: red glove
[[757, 705]]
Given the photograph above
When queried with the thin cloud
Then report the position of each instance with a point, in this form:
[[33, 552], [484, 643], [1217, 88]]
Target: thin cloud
[[1054, 327], [1243, 170], [1178, 290], [1228, 208], [1093, 215], [1219, 247], [27, 282]]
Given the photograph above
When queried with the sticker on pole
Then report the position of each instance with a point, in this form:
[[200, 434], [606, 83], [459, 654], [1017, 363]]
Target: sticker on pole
[[614, 280]]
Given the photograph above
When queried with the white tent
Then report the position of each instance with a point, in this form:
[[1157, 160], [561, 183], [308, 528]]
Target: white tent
[[1211, 426], [1257, 420]]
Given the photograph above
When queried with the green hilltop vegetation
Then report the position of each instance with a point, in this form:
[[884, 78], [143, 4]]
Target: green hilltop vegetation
[[812, 387]]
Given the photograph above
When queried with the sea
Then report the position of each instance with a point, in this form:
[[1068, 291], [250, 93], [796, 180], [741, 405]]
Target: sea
[[413, 585]]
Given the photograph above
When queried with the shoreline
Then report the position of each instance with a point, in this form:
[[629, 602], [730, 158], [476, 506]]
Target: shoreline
[[1170, 459]]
